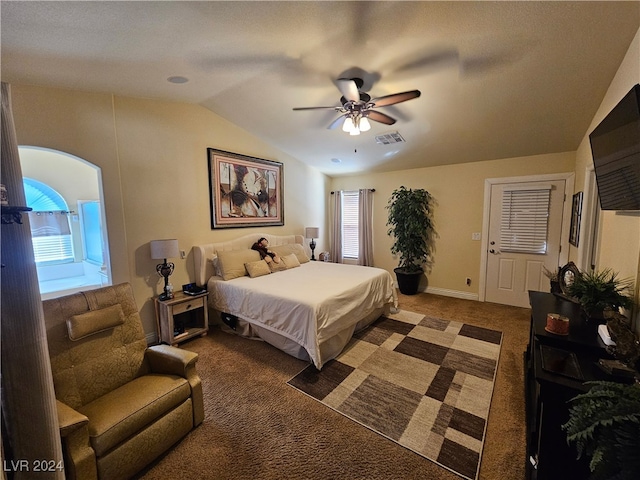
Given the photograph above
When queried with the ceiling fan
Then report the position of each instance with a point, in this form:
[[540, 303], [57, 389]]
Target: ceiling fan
[[357, 107]]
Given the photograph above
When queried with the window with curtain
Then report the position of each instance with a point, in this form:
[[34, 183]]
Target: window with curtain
[[524, 220], [49, 220], [350, 235]]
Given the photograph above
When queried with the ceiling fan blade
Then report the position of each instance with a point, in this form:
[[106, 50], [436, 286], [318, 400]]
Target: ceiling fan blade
[[336, 123], [316, 108], [395, 98], [349, 89], [380, 117]]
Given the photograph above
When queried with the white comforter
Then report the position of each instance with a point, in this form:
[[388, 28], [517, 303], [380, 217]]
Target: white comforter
[[308, 304]]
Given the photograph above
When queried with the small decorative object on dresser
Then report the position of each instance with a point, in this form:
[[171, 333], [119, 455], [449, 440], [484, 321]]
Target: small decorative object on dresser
[[558, 324]]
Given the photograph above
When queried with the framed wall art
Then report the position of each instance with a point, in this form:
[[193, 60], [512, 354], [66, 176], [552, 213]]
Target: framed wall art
[[576, 214], [244, 191]]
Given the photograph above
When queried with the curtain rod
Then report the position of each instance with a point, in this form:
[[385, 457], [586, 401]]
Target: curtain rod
[[51, 212], [370, 189]]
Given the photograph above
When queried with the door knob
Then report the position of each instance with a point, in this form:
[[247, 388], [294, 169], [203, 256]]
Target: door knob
[[492, 243], [492, 251]]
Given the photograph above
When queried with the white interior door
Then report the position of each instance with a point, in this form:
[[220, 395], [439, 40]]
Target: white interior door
[[525, 230]]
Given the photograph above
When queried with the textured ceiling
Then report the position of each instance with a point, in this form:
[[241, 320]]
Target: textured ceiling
[[498, 79]]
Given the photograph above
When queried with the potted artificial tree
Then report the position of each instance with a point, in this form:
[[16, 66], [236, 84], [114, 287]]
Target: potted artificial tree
[[410, 223], [599, 291]]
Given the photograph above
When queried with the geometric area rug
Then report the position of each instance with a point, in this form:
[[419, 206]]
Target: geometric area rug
[[422, 382]]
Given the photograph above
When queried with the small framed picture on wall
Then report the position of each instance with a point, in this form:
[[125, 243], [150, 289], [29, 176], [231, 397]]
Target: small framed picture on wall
[[576, 214]]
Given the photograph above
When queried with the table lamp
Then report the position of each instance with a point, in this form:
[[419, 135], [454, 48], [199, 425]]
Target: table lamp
[[312, 232], [163, 249]]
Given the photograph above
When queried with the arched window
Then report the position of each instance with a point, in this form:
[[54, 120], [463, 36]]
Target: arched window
[[49, 219]]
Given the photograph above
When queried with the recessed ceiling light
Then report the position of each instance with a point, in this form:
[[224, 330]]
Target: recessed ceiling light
[[336, 160], [178, 79]]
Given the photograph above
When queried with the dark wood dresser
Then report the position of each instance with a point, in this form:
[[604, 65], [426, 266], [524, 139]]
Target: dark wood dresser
[[556, 368]]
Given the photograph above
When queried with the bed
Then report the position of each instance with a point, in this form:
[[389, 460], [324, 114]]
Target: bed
[[309, 310]]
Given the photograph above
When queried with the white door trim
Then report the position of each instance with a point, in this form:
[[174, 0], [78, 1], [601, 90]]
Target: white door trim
[[589, 225], [569, 179]]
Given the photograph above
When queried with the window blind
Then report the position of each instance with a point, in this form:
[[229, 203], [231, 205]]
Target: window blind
[[350, 237], [49, 222], [524, 220]]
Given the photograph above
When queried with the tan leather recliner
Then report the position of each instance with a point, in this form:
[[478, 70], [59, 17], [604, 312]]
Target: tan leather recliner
[[121, 404]]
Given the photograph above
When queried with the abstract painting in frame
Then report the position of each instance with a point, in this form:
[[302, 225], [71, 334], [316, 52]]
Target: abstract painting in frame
[[244, 191]]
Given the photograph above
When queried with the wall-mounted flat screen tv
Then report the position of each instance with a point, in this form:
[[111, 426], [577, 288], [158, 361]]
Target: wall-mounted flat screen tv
[[615, 145]]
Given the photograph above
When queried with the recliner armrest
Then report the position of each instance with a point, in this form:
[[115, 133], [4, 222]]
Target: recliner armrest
[[171, 360], [69, 420], [175, 361], [79, 456]]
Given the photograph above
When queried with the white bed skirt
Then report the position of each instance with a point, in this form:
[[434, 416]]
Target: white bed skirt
[[329, 349]]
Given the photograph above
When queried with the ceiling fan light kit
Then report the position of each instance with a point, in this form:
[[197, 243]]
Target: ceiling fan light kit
[[355, 124], [357, 107]]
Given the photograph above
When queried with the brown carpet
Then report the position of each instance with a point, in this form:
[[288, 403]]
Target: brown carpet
[[258, 427], [423, 382]]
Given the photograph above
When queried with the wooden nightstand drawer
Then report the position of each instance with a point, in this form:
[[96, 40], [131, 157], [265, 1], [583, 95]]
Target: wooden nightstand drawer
[[185, 306]]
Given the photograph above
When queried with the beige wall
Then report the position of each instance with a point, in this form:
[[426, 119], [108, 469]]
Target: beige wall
[[155, 176], [459, 193], [619, 233]]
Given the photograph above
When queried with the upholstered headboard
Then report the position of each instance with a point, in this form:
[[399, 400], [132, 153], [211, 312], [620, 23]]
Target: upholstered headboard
[[202, 254]]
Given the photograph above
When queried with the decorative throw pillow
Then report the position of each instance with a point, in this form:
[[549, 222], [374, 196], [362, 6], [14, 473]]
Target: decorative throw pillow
[[296, 248], [291, 260], [257, 269], [231, 262], [277, 267]]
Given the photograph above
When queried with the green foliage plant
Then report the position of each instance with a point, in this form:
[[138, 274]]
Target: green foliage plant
[[604, 425], [410, 223], [599, 290]]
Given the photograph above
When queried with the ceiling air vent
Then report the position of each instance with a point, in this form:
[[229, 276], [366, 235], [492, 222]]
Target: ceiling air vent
[[389, 138]]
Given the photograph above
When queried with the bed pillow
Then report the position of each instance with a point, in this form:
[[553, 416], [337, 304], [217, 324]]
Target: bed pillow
[[277, 267], [291, 260], [231, 262], [295, 248], [257, 269]]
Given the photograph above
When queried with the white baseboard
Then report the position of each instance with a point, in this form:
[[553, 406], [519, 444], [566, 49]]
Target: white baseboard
[[452, 293]]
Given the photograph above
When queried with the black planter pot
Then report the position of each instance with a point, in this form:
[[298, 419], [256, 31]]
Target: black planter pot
[[408, 282]]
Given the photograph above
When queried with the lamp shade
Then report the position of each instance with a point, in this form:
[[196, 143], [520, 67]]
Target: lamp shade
[[161, 249], [311, 232]]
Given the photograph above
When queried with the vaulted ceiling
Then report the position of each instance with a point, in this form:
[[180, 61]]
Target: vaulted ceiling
[[498, 79]]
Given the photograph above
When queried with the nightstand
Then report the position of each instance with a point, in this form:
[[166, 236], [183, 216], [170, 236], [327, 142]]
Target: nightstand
[[182, 317]]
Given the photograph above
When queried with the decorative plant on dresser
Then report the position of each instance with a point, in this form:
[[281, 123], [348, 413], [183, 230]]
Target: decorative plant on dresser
[[599, 291], [410, 223]]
